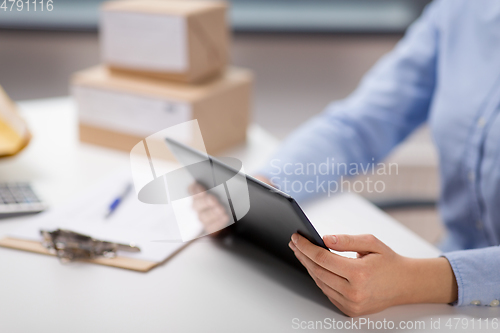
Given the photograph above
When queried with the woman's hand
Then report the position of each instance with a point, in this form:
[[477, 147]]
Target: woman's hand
[[377, 279], [210, 212]]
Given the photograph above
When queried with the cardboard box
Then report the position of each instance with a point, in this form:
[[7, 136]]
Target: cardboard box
[[118, 111], [180, 40]]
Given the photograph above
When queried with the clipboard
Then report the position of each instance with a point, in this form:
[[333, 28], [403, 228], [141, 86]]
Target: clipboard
[[118, 262], [86, 215]]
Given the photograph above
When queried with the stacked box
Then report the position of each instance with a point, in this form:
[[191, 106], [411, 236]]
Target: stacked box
[[118, 111], [164, 64], [181, 40]]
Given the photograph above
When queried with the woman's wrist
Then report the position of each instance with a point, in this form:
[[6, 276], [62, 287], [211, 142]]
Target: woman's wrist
[[429, 281]]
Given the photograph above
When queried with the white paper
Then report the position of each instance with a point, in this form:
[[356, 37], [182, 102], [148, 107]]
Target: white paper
[[144, 41], [150, 227], [133, 114]]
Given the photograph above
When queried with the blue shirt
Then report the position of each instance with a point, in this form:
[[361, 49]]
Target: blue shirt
[[445, 71]]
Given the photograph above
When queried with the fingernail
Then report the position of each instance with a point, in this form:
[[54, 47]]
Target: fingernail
[[294, 238], [332, 238]]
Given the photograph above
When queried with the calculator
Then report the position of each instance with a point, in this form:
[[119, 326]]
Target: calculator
[[18, 198]]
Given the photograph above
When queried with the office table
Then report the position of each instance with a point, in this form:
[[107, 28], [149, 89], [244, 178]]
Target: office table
[[210, 286]]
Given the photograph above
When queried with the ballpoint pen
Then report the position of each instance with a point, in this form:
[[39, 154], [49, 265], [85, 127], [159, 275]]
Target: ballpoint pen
[[116, 202]]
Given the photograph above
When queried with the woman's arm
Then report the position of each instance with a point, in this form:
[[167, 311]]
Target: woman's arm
[[393, 98], [379, 278]]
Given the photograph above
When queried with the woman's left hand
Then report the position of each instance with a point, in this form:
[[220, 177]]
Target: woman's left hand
[[377, 279]]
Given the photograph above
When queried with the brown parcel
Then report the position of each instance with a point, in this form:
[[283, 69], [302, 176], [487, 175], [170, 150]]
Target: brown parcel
[[202, 41], [221, 106]]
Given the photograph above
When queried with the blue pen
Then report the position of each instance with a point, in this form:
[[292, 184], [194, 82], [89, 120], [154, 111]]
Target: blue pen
[[119, 199]]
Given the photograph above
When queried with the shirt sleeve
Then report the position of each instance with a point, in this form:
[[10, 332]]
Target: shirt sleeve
[[476, 272], [391, 101]]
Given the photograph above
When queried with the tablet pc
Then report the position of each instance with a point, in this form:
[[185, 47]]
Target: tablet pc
[[273, 215]]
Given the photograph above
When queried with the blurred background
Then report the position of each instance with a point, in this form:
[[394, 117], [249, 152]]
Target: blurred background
[[304, 53]]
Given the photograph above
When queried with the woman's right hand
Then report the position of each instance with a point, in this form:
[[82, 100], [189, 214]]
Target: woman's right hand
[[211, 212]]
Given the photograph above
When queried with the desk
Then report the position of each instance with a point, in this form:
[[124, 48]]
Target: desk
[[205, 288]]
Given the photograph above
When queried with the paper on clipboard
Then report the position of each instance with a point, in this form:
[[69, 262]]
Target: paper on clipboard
[[148, 226]]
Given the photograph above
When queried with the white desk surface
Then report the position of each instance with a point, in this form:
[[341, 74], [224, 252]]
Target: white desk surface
[[208, 287]]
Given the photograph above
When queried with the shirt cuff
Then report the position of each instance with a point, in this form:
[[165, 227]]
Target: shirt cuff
[[477, 275]]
